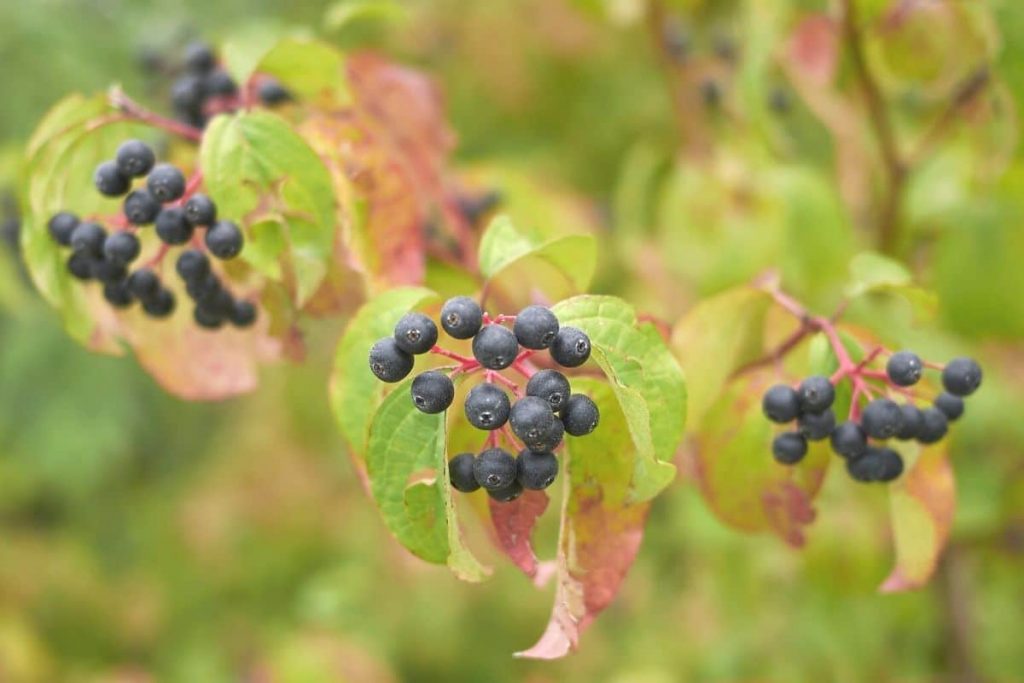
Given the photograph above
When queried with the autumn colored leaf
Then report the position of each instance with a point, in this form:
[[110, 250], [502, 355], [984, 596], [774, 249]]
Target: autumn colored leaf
[[513, 524]]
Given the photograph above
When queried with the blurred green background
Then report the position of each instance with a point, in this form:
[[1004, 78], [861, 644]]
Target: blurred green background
[[143, 538]]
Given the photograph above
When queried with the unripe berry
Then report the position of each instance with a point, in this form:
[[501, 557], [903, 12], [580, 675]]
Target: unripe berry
[[121, 247], [134, 158], [61, 226], [550, 385], [934, 426], [495, 347], [487, 407], [789, 448], [171, 226], [388, 362], [816, 394], [580, 415], [110, 181], [432, 392], [415, 333], [200, 210], [951, 406], [166, 183], [531, 419], [570, 347], [224, 240], [461, 317], [910, 422], [535, 327], [141, 207], [494, 469], [961, 376], [881, 418], [460, 473], [536, 471], [849, 440], [817, 426], [904, 368], [781, 404]]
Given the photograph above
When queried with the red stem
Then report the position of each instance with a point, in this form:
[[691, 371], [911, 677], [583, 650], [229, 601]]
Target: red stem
[[136, 111]]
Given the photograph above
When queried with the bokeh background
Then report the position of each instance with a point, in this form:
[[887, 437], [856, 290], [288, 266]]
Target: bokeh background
[[143, 538]]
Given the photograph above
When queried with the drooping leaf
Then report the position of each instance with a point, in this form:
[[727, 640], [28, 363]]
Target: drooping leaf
[[502, 245], [513, 524]]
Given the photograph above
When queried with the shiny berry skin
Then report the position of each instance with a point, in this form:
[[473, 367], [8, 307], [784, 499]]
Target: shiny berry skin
[[580, 415], [141, 207], [461, 317], [61, 226], [881, 418], [849, 440], [789, 448], [388, 362], [781, 404], [507, 494], [117, 294], [570, 347], [495, 347], [432, 392], [816, 394], [243, 314], [531, 419], [166, 183], [160, 305], [134, 158], [536, 471], [910, 422], [487, 407], [200, 210], [550, 385], [961, 376], [143, 283], [171, 226], [934, 425], [951, 406], [494, 469], [817, 426], [224, 240], [88, 238], [904, 368], [121, 247], [535, 327], [110, 181], [192, 265], [460, 473], [415, 333]]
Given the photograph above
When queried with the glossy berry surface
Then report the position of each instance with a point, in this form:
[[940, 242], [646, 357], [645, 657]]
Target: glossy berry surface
[[415, 333], [460, 472], [951, 406], [580, 415], [495, 347], [171, 226], [461, 317], [536, 471], [200, 210], [166, 183], [141, 207], [781, 404], [535, 327], [224, 240], [961, 376], [110, 181], [816, 394], [487, 407], [388, 362], [570, 347], [494, 469], [849, 440], [134, 158], [789, 448], [550, 385], [881, 418], [904, 368], [432, 392], [61, 225]]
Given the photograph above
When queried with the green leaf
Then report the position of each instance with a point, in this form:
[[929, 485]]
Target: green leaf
[[647, 380], [246, 48], [874, 274], [354, 392], [308, 68], [575, 256], [341, 14], [408, 472], [259, 170]]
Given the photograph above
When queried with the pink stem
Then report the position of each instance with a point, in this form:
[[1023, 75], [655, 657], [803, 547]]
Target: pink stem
[[136, 111]]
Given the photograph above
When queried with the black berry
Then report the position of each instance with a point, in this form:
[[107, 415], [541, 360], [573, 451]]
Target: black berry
[[143, 283], [816, 394], [80, 265], [200, 210], [550, 385], [134, 158], [271, 92], [171, 226], [207, 318], [536, 471], [105, 270], [817, 426], [849, 440], [580, 415], [531, 418], [487, 407], [535, 327], [934, 426], [160, 305], [961, 376], [881, 418], [460, 472], [166, 183], [548, 440], [432, 392], [910, 422], [789, 448], [951, 406], [570, 347], [199, 57], [461, 317], [904, 368], [243, 314], [121, 247], [61, 226], [495, 347], [224, 240], [415, 333], [507, 494], [110, 181], [88, 238], [892, 465], [494, 469], [192, 265], [781, 404], [220, 84], [388, 362], [187, 95], [869, 467], [117, 294], [141, 207]]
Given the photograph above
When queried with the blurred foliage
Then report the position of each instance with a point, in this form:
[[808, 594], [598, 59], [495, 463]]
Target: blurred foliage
[[145, 538]]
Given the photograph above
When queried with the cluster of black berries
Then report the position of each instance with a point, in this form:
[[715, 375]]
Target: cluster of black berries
[[539, 419], [882, 418], [106, 257], [204, 88]]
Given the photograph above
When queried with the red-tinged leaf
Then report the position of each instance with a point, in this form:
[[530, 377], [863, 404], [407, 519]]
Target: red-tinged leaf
[[739, 478], [923, 502], [813, 49], [513, 525]]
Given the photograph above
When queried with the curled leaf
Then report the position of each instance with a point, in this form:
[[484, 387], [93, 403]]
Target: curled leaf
[[513, 523]]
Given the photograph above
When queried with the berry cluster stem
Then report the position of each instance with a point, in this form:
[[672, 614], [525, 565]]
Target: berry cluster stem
[[134, 110]]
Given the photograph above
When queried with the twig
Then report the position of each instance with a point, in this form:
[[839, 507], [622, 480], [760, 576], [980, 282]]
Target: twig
[[134, 110]]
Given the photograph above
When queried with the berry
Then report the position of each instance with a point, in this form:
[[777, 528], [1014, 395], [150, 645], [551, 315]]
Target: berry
[[536, 471], [108, 271], [88, 238], [207, 318], [220, 84], [117, 294], [166, 183], [507, 494], [224, 240], [910, 422], [141, 207], [460, 472], [570, 347], [548, 440], [535, 327], [110, 181], [143, 283], [904, 368], [869, 467], [550, 385], [961, 376], [531, 418], [816, 394], [789, 448], [271, 92], [388, 362], [495, 347], [580, 415], [134, 158], [881, 418], [204, 289], [951, 406], [781, 404], [171, 226], [432, 392], [192, 265], [199, 57], [187, 94], [494, 469], [160, 305], [80, 265], [461, 317], [243, 314], [415, 333], [61, 226], [121, 247], [934, 425], [817, 426], [200, 210], [849, 440], [487, 407], [892, 465]]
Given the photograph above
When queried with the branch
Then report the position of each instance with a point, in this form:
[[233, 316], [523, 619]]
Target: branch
[[963, 94]]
